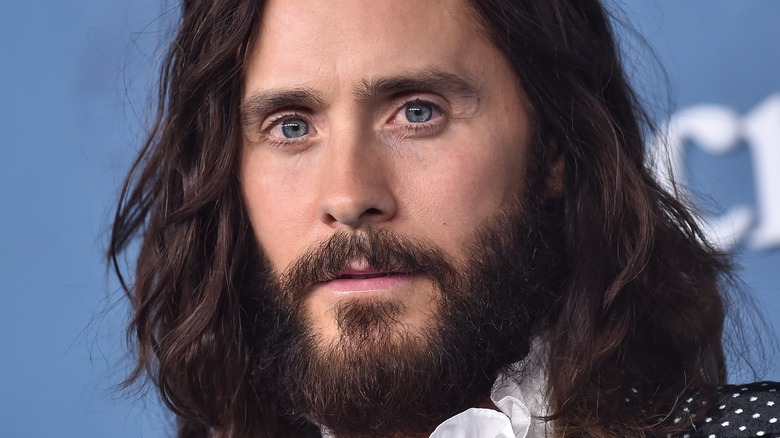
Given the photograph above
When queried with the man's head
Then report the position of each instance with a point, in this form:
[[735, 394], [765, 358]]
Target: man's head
[[388, 139], [357, 214]]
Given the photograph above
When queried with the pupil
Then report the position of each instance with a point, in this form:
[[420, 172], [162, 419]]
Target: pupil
[[419, 112], [294, 128]]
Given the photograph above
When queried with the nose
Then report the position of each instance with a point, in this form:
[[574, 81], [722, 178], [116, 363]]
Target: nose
[[356, 186]]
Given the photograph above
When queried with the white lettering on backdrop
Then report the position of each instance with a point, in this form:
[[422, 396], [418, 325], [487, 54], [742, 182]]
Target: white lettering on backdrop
[[718, 129]]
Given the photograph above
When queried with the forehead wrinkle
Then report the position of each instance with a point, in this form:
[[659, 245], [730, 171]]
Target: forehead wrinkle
[[261, 102], [431, 79]]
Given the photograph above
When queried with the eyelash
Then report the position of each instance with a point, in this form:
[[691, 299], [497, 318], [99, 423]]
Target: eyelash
[[274, 121], [423, 128]]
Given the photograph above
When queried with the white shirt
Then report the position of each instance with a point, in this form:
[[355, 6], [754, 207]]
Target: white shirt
[[518, 403]]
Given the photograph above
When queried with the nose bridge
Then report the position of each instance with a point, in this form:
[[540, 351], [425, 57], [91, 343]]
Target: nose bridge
[[355, 188]]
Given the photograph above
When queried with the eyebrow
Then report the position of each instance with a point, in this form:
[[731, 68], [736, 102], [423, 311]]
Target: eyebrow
[[259, 103], [425, 80]]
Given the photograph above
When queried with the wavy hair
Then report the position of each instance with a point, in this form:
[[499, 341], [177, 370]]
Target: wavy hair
[[642, 306]]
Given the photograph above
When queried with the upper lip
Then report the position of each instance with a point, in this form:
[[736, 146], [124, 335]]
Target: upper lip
[[349, 273], [361, 269]]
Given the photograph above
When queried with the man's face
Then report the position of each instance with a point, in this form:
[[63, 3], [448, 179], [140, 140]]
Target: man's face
[[397, 116], [385, 175]]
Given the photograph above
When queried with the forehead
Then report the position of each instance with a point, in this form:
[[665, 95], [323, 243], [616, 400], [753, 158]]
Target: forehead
[[331, 44]]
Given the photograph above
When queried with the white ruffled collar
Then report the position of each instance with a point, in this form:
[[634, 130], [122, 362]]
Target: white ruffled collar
[[519, 404]]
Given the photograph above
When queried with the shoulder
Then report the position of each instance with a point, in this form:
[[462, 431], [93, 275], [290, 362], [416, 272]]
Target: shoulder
[[750, 410]]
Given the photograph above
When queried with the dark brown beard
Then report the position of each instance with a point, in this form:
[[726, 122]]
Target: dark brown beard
[[381, 379]]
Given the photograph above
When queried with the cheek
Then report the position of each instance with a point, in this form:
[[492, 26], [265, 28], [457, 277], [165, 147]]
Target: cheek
[[467, 189], [275, 207]]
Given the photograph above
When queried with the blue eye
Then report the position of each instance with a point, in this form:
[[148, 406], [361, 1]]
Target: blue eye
[[294, 128], [419, 112]]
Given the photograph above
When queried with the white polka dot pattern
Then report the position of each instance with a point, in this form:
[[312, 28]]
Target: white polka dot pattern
[[750, 410]]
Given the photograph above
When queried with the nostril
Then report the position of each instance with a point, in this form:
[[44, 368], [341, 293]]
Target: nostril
[[373, 211], [355, 217]]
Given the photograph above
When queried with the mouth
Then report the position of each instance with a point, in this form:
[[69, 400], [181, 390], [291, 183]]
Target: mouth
[[362, 270], [360, 276]]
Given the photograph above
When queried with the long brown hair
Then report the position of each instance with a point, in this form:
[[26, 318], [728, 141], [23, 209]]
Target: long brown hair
[[642, 307]]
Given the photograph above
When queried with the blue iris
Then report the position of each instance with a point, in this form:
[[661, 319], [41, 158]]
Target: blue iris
[[419, 112], [294, 128]]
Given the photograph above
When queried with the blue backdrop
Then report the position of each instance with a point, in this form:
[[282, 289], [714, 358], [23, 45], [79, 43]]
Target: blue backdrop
[[75, 81]]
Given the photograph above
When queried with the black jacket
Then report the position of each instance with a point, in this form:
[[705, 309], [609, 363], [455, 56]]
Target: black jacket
[[751, 410]]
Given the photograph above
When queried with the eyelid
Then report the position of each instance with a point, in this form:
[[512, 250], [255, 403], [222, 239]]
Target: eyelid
[[399, 101], [273, 120]]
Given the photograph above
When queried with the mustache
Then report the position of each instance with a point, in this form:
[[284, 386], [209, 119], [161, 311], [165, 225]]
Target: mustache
[[382, 249]]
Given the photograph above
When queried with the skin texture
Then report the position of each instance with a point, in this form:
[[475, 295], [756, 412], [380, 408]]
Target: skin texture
[[350, 74]]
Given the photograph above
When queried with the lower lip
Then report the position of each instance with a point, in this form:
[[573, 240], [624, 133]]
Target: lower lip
[[385, 283]]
